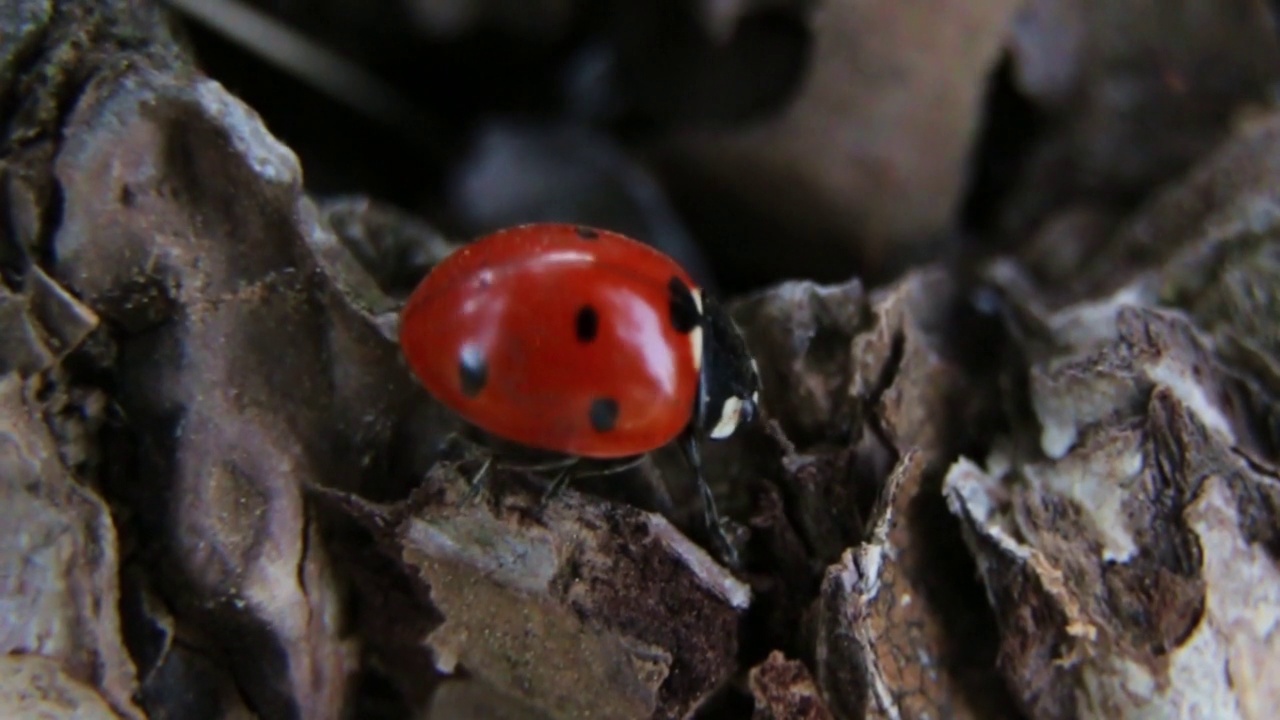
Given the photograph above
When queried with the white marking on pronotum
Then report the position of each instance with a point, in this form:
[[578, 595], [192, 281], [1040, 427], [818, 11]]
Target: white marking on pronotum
[[730, 414], [695, 336]]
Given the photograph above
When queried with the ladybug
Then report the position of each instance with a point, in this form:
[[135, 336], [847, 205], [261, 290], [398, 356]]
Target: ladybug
[[580, 342]]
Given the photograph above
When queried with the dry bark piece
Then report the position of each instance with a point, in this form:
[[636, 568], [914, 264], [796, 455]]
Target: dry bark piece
[[25, 352], [800, 334], [1135, 576], [847, 661], [1184, 232], [1112, 380], [473, 699], [879, 383], [889, 645], [184, 218], [58, 560], [901, 371], [41, 324], [782, 576], [581, 609], [193, 686], [175, 679], [827, 495], [879, 374], [1205, 246], [24, 21], [392, 246], [1132, 92], [1126, 528], [784, 690], [32, 686], [385, 415], [868, 160]]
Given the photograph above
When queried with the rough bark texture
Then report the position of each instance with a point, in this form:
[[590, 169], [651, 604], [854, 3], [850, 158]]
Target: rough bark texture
[[784, 689], [1126, 529]]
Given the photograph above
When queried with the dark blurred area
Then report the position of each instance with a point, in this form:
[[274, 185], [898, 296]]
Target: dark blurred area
[[756, 140], [519, 116]]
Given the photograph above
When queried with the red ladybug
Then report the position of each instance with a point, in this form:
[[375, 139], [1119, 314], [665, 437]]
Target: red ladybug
[[580, 342]]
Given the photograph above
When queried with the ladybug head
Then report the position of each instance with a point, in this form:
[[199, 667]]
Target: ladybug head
[[729, 382]]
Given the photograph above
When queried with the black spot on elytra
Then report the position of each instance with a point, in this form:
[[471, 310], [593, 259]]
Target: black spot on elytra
[[473, 371], [587, 233], [684, 309], [604, 414], [586, 324]]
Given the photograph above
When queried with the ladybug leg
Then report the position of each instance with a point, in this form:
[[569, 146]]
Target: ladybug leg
[[561, 479], [557, 464], [564, 465], [689, 444], [616, 468], [574, 471], [480, 478], [477, 481], [456, 441]]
